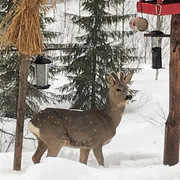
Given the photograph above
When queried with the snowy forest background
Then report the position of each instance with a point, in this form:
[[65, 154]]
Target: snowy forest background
[[77, 81]]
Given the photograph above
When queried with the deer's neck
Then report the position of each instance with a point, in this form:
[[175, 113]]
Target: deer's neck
[[115, 112]]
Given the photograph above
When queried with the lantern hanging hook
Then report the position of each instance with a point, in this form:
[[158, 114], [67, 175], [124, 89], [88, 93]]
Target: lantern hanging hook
[[158, 6]]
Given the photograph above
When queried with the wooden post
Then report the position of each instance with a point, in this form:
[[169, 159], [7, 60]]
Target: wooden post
[[171, 144], [24, 66]]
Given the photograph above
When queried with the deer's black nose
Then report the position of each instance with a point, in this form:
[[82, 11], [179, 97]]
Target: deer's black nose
[[128, 97]]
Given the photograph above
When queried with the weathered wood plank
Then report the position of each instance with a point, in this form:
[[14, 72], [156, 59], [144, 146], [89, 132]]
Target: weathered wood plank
[[171, 144], [21, 111]]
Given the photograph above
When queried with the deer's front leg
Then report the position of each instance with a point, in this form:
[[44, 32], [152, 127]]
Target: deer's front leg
[[39, 152], [99, 155], [84, 153]]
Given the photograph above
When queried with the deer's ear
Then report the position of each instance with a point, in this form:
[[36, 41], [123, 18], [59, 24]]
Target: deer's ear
[[128, 77], [109, 80]]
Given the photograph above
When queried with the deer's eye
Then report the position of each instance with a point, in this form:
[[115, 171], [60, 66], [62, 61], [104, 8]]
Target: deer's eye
[[118, 90]]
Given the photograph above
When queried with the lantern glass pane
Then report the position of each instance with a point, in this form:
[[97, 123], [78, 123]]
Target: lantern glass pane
[[40, 75], [46, 73]]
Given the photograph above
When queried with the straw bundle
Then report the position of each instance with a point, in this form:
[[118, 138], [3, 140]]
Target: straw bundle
[[24, 29]]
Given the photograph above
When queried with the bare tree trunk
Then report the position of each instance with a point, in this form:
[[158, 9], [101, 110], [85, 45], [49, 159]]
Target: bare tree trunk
[[171, 144], [157, 72], [123, 23], [21, 111], [79, 15], [65, 14]]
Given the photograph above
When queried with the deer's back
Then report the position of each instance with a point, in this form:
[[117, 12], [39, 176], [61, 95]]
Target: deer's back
[[79, 128]]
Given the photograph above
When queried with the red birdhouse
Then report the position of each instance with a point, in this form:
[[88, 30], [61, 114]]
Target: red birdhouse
[[159, 7]]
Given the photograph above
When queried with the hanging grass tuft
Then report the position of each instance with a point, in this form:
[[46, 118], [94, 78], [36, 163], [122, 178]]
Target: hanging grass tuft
[[21, 27]]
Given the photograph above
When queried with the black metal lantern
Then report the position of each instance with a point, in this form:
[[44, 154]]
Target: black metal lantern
[[41, 72]]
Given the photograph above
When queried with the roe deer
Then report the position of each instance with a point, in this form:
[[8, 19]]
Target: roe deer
[[86, 130]]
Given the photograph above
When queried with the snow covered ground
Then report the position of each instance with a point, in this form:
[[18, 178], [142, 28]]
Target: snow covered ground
[[135, 153]]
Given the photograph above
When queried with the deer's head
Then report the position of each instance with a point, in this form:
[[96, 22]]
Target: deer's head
[[118, 89]]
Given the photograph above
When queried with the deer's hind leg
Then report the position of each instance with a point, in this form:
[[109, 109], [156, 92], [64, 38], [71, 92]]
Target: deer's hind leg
[[84, 153], [39, 151]]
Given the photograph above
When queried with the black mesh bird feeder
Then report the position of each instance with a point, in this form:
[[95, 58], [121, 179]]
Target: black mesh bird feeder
[[156, 41]]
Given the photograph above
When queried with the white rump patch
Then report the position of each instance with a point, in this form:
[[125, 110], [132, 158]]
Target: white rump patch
[[33, 129]]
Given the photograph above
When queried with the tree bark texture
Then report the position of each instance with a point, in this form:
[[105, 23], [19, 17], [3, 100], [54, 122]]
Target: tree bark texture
[[24, 66], [172, 130]]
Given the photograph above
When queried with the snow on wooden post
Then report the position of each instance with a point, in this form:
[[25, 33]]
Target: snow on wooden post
[[21, 111], [171, 144]]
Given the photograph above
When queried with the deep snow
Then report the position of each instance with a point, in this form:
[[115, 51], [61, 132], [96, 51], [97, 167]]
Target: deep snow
[[135, 153]]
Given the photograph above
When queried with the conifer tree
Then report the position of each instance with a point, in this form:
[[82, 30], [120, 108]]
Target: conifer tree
[[96, 52]]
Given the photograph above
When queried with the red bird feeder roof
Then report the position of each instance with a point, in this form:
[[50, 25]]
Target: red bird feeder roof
[[159, 7]]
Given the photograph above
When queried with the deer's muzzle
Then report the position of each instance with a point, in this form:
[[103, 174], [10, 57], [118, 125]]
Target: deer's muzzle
[[128, 97]]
